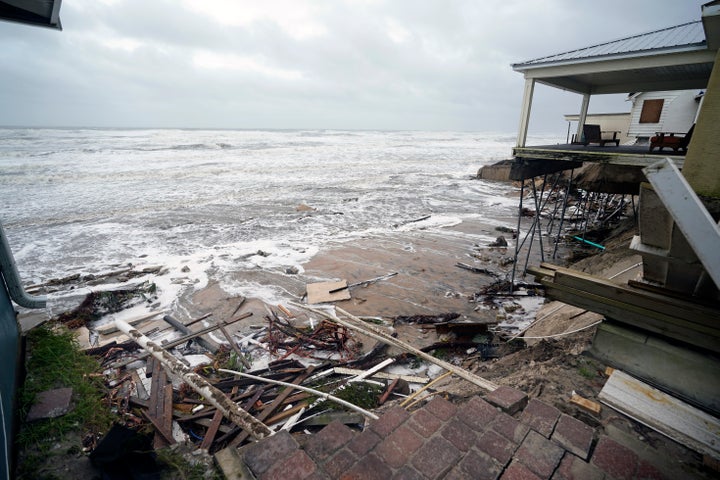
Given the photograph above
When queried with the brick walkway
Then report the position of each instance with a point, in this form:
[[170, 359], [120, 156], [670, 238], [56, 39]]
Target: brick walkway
[[503, 436]]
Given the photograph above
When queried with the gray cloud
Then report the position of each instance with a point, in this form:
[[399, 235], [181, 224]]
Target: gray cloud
[[368, 64]]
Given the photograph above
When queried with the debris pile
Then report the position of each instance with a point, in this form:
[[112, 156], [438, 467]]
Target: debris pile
[[298, 369]]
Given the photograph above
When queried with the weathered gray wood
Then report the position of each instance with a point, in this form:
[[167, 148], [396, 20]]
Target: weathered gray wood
[[663, 413], [217, 398], [209, 345], [662, 304], [632, 315]]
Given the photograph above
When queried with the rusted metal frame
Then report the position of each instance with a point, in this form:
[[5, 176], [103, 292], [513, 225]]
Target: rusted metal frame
[[517, 240], [537, 222], [562, 214], [216, 397]]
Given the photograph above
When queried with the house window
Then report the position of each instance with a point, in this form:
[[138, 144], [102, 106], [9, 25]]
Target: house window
[[651, 111]]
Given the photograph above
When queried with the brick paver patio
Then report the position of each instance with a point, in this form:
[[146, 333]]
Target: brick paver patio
[[503, 436]]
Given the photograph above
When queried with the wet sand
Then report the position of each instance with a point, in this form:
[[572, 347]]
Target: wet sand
[[428, 280]]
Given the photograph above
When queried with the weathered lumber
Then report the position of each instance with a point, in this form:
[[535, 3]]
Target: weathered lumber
[[585, 404], [214, 426], [484, 271], [111, 328], [683, 309], [181, 340], [414, 395], [388, 391], [217, 398], [359, 325], [208, 345], [269, 409], [633, 315], [306, 389]]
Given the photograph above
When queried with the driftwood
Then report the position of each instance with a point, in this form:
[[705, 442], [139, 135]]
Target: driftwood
[[217, 398], [381, 336], [484, 271]]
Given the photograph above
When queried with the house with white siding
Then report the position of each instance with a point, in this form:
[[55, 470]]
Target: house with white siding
[[662, 111]]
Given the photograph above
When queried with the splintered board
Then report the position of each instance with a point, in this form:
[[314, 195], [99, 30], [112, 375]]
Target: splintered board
[[666, 414], [323, 292]]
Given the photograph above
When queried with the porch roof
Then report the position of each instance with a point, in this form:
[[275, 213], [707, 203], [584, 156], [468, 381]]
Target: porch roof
[[674, 58]]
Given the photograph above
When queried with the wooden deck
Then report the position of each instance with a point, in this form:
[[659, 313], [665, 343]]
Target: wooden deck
[[532, 161]]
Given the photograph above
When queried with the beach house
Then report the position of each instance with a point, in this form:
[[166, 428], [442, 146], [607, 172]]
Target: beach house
[[662, 328]]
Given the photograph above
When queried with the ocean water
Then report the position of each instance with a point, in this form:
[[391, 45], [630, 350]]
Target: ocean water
[[90, 200]]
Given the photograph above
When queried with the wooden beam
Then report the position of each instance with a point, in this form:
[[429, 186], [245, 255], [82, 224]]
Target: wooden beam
[[681, 309], [632, 315]]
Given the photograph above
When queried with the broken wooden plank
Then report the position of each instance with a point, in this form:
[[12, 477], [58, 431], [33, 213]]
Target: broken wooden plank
[[216, 397], [181, 340], [321, 292], [207, 344], [633, 315], [663, 413], [585, 404], [111, 328], [269, 409], [214, 426], [364, 282], [484, 271], [320, 394], [388, 391]]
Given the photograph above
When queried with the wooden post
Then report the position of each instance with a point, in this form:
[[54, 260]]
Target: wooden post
[[525, 112]]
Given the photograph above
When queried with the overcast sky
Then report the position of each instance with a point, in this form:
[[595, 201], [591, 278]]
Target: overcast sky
[[334, 64]]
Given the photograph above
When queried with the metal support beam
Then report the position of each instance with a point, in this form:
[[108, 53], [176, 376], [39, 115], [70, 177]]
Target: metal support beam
[[525, 112], [690, 215]]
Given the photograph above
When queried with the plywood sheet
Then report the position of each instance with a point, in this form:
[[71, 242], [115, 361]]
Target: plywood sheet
[[322, 292]]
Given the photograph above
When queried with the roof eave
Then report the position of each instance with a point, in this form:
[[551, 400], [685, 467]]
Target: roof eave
[[522, 67]]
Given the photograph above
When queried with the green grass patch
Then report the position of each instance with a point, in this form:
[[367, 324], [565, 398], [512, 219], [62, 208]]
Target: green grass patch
[[55, 360]]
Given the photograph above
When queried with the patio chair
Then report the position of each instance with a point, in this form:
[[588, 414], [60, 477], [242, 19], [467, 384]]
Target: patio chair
[[592, 134], [669, 139]]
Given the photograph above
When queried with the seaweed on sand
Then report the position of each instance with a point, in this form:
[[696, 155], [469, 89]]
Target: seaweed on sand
[[97, 304]]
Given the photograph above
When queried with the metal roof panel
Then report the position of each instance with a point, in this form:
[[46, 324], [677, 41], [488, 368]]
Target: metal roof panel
[[684, 35]]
